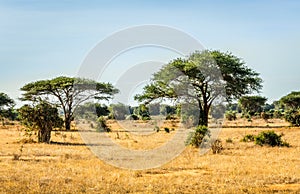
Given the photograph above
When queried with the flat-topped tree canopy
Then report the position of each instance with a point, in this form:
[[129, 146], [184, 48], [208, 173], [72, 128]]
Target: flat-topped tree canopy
[[67, 92], [203, 77]]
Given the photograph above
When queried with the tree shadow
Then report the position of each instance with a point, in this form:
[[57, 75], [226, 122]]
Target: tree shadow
[[74, 144]]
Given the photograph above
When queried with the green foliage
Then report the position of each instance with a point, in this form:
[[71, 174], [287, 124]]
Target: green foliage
[[266, 115], [195, 138], [291, 105], [167, 130], [270, 138], [132, 117], [142, 111], [5, 101], [230, 115], [266, 138], [171, 117], [118, 111], [167, 109], [204, 74], [293, 117], [291, 101], [101, 125], [101, 110], [248, 138], [42, 117], [252, 104], [6, 108], [67, 92], [90, 110]]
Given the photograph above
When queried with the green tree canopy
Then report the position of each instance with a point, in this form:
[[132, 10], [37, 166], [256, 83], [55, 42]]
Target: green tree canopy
[[43, 117], [5, 101], [252, 104], [291, 101], [203, 77], [6, 107], [67, 92]]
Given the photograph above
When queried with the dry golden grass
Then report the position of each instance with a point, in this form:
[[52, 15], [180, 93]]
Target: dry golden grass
[[70, 167]]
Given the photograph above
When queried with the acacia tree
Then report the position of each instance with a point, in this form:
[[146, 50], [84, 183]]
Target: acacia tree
[[6, 105], [202, 78], [43, 117], [68, 93], [252, 104], [291, 101], [291, 104]]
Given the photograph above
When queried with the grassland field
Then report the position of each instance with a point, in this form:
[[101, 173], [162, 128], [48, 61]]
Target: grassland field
[[68, 166]]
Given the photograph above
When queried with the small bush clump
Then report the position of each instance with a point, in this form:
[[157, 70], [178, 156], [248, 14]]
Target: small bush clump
[[101, 125], [230, 115], [132, 117], [167, 130], [266, 138], [293, 117], [248, 138], [195, 138], [270, 138], [216, 146]]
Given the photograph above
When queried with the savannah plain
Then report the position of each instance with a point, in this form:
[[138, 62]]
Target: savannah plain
[[68, 166]]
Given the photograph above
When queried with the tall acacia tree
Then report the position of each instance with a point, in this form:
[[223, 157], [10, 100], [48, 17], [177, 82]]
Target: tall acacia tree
[[203, 77], [67, 92]]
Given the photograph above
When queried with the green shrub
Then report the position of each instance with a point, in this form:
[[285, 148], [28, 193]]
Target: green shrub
[[278, 114], [266, 138], [293, 117], [248, 138], [132, 117], [167, 130], [265, 115], [195, 138], [170, 117], [230, 115], [101, 125], [270, 138]]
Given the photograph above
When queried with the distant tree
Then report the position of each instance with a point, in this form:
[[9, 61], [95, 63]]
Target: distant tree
[[92, 108], [43, 117], [67, 92], [101, 109], [142, 112], [252, 104], [197, 78], [154, 108], [291, 104], [119, 111], [6, 107], [291, 101], [167, 109]]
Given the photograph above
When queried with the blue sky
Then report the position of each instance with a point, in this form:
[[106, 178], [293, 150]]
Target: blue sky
[[41, 39]]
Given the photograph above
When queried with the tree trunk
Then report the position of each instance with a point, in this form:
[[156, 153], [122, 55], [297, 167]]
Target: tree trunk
[[203, 118], [203, 113], [68, 124], [44, 135], [68, 120]]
